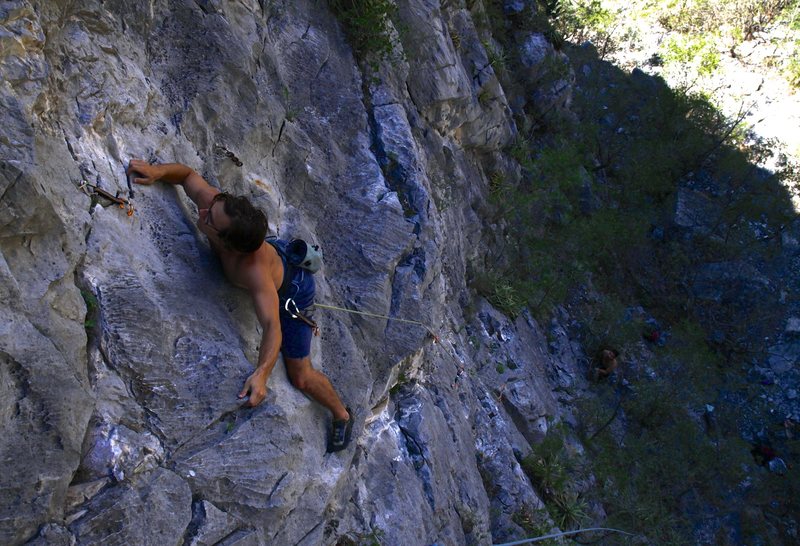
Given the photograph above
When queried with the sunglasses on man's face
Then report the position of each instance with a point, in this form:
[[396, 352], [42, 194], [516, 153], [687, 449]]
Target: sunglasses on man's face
[[209, 219]]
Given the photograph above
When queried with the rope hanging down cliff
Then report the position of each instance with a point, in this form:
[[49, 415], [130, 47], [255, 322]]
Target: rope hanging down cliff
[[375, 315]]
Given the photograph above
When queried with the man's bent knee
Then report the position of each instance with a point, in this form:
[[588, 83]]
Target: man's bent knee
[[300, 381], [299, 371]]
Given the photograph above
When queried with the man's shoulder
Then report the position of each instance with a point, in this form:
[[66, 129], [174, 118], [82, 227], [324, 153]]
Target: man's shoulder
[[269, 256], [260, 268]]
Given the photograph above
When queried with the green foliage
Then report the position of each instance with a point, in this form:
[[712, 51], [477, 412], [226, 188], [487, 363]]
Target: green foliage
[[498, 185], [743, 17], [568, 510], [535, 524], [455, 38], [368, 25], [792, 68], [498, 58], [558, 171], [634, 143], [789, 176], [484, 97], [664, 448], [92, 309], [701, 28], [658, 450], [553, 470], [697, 359], [374, 537], [556, 176], [608, 325], [581, 20], [631, 475], [520, 150], [559, 244], [506, 297], [402, 381], [291, 113], [547, 465], [695, 51]]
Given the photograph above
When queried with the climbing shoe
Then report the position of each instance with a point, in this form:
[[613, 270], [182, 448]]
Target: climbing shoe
[[340, 435]]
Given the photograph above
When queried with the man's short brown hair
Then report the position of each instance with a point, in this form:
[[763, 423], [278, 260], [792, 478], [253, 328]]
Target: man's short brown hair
[[248, 226]]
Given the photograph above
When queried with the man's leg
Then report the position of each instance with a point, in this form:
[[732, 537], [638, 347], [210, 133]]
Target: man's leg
[[315, 384]]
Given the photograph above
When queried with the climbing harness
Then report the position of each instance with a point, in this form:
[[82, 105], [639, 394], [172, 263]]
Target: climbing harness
[[297, 253], [374, 315], [96, 193]]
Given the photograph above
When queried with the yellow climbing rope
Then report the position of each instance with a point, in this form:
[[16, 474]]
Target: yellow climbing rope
[[375, 315]]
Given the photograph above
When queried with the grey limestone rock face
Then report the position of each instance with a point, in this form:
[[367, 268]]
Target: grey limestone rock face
[[52, 534], [154, 509], [451, 71], [695, 211], [122, 346], [45, 401], [534, 50], [550, 69], [212, 524]]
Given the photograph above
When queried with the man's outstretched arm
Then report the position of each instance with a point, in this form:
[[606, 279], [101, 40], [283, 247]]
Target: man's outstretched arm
[[195, 186], [265, 301]]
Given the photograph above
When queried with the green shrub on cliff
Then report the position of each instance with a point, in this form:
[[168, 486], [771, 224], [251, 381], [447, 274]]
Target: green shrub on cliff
[[581, 20], [792, 67], [691, 52], [368, 25], [553, 472], [742, 18]]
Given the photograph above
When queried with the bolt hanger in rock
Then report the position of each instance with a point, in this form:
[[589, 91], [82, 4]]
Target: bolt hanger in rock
[[96, 193]]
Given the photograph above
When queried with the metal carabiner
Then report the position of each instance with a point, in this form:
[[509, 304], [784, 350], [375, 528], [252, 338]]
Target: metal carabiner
[[296, 313]]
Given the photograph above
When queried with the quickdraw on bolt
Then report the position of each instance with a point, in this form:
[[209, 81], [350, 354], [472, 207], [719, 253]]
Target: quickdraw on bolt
[[96, 193], [230, 155]]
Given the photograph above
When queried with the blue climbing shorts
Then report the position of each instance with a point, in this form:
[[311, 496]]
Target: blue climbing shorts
[[296, 334]]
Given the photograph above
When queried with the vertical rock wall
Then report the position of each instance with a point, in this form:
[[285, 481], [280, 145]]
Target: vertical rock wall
[[122, 345]]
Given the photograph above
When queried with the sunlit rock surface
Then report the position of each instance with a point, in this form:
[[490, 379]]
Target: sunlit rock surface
[[122, 345]]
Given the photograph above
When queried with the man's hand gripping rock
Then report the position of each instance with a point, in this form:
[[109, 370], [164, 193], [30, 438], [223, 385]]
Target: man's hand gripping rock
[[256, 387]]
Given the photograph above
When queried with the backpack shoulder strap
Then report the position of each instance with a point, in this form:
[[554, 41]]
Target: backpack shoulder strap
[[288, 269]]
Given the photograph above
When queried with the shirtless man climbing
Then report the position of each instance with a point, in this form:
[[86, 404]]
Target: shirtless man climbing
[[236, 231]]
